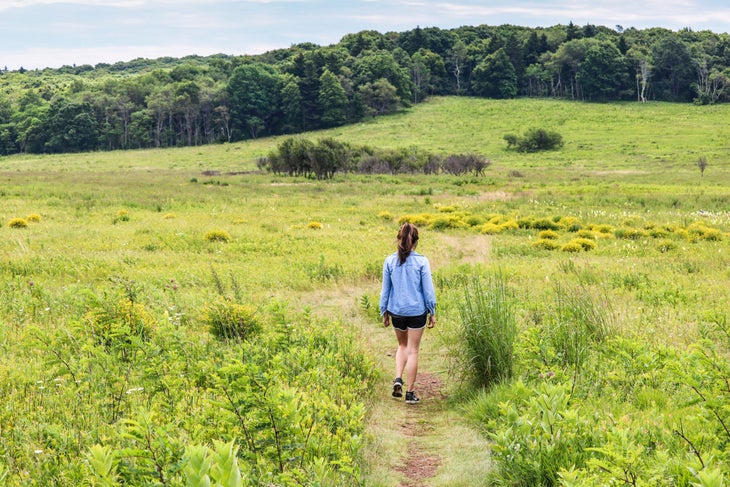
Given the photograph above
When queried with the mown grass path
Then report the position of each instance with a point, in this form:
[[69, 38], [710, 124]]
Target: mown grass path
[[431, 443]]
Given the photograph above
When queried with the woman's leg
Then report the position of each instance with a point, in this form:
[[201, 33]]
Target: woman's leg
[[413, 343], [401, 354]]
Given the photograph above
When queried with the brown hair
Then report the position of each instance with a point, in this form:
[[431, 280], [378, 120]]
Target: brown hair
[[407, 241]]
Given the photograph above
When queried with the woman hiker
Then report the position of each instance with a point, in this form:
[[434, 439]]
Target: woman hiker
[[408, 301]]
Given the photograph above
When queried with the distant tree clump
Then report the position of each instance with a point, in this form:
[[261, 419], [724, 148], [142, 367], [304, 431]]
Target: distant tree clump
[[534, 140], [324, 158]]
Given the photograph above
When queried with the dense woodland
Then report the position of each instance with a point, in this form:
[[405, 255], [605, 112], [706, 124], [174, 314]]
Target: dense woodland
[[195, 100]]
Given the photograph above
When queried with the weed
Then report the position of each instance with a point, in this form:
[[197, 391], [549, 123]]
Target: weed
[[488, 330]]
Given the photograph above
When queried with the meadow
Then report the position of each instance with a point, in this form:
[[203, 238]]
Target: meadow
[[171, 316]]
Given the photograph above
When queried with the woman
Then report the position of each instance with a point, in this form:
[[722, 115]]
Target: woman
[[407, 300]]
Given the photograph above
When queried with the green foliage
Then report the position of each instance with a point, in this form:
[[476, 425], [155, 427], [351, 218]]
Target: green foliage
[[534, 140], [231, 321], [540, 436], [323, 271], [103, 463], [488, 331], [217, 236]]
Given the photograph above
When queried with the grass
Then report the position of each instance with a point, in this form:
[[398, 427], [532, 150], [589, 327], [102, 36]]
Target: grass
[[135, 223]]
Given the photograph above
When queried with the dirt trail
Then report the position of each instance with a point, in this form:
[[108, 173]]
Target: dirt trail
[[420, 464]]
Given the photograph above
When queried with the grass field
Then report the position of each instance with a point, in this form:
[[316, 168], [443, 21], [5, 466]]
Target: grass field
[[125, 262]]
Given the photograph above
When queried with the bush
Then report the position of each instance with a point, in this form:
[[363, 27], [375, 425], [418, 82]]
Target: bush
[[546, 244], [218, 236], [544, 224], [18, 223], [34, 218], [314, 225], [585, 243], [118, 324], [534, 140], [490, 229], [488, 331], [418, 220], [572, 246], [548, 234], [230, 321]]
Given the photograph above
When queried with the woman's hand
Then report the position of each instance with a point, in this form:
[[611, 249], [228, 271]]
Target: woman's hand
[[386, 319], [431, 321]]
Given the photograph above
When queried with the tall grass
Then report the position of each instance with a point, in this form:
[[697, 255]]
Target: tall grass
[[488, 331]]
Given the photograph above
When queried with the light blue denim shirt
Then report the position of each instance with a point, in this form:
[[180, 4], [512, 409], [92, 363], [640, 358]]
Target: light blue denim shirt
[[408, 288]]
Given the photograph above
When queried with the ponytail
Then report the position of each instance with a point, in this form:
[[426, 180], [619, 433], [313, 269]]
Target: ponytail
[[407, 241]]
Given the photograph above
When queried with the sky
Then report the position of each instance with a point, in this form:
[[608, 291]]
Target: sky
[[35, 34]]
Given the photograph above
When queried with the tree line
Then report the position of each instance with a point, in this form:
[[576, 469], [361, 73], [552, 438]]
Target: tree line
[[326, 157], [196, 100]]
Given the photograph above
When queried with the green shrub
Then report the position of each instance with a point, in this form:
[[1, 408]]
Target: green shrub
[[121, 216], [586, 234], [313, 225], [570, 223], [666, 246], [534, 140], [488, 330], [420, 220], [545, 224], [572, 246], [630, 233], [509, 225], [538, 437], [585, 243], [548, 234], [230, 321], [218, 236], [601, 228], [474, 220], [490, 229], [117, 324], [443, 222], [546, 244]]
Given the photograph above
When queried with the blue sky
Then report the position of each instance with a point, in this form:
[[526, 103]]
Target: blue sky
[[52, 33]]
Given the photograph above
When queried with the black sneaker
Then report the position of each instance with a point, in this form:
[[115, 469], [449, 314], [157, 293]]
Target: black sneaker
[[411, 398], [398, 387]]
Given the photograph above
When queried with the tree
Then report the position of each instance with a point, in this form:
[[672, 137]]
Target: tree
[[253, 91], [495, 77], [382, 64], [673, 69], [601, 73], [640, 57], [457, 58], [379, 97], [332, 100], [702, 164], [291, 105], [70, 127]]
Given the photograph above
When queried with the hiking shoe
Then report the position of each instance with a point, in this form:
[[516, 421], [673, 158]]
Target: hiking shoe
[[398, 387], [411, 398]]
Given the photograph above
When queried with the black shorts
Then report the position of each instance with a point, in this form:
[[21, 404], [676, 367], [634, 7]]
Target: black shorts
[[413, 322]]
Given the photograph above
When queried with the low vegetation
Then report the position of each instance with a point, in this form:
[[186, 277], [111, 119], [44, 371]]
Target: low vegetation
[[139, 351]]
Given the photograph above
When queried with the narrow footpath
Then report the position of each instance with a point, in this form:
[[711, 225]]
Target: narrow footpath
[[429, 444]]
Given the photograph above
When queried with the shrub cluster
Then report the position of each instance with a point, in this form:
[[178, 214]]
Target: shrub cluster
[[326, 157], [534, 140]]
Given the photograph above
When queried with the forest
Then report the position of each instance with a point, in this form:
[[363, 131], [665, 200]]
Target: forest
[[195, 100]]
